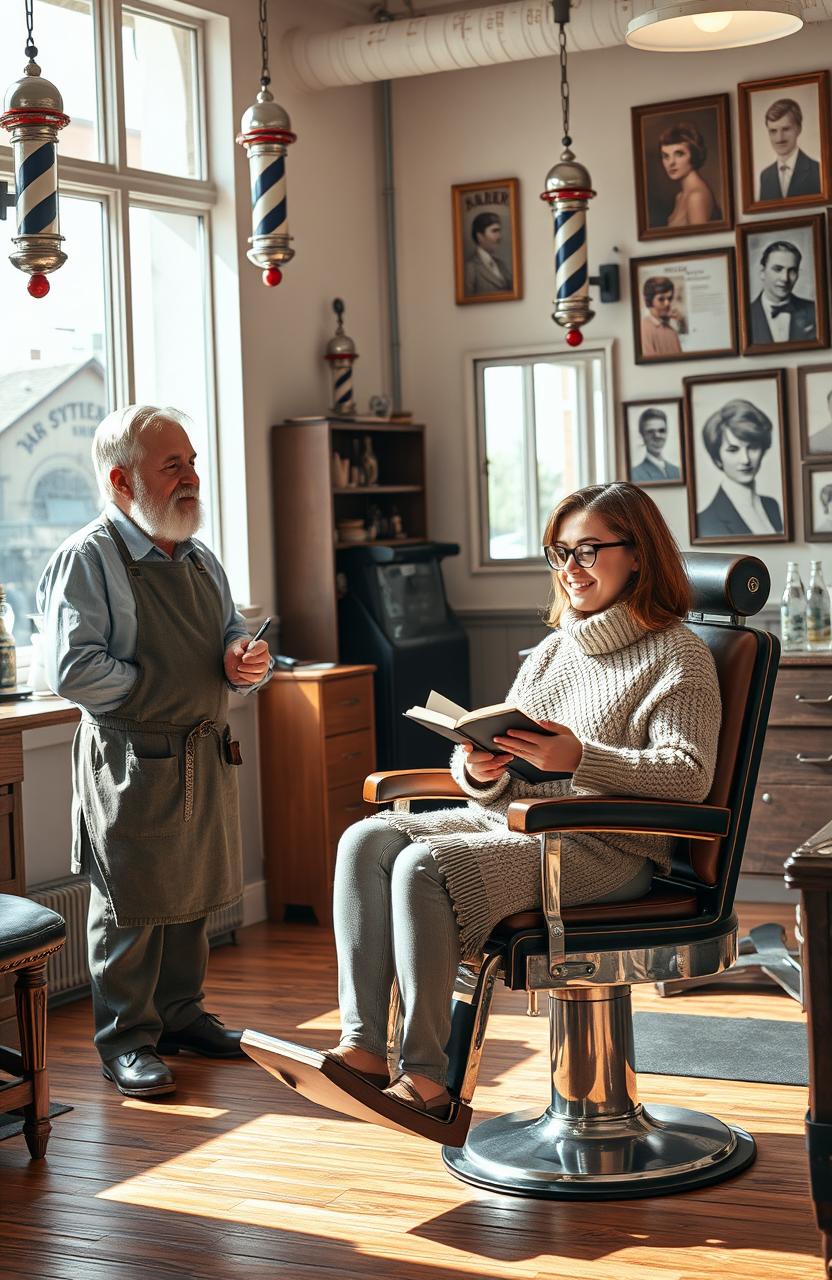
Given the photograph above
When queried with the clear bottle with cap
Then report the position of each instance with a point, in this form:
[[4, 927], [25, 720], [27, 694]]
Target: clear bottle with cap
[[8, 651], [818, 615], [793, 610]]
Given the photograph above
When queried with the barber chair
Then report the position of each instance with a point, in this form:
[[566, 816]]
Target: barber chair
[[29, 935], [595, 1140]]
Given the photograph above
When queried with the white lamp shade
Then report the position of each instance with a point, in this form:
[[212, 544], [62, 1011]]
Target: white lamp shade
[[693, 26]]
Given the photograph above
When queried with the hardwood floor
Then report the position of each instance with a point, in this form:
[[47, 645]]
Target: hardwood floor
[[236, 1176]]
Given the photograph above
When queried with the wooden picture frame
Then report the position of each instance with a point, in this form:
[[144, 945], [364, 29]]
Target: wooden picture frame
[[666, 454], [763, 267], [814, 397], [763, 143], [486, 231], [682, 159], [736, 450], [683, 328], [817, 501]]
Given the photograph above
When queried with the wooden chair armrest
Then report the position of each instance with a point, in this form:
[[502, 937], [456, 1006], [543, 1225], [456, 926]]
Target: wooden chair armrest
[[636, 815], [412, 784]]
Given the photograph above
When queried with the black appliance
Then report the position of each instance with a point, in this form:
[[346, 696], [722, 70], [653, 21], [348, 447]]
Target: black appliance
[[394, 613]]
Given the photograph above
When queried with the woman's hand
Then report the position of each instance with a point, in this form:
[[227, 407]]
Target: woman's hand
[[561, 754], [484, 767]]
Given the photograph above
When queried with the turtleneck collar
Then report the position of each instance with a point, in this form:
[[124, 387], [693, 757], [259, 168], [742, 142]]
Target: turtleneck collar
[[604, 632]]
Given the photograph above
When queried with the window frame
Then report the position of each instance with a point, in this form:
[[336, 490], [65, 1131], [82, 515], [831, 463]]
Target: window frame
[[597, 446]]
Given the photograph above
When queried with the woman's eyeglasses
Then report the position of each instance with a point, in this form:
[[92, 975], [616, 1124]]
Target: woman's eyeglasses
[[585, 553]]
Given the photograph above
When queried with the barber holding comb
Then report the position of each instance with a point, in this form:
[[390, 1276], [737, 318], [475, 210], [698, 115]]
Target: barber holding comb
[[142, 633]]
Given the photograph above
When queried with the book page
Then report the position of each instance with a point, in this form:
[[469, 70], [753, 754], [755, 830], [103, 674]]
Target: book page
[[436, 702]]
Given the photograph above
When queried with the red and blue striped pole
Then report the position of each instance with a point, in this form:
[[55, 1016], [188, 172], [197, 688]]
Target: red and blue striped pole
[[568, 191]]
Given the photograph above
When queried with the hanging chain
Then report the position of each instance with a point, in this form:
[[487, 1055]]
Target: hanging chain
[[564, 86], [30, 50], [265, 78]]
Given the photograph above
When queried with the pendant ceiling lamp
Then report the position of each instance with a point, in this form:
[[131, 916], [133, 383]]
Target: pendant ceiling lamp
[[696, 26]]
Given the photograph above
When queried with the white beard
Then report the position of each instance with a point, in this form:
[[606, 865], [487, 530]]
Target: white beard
[[165, 518]]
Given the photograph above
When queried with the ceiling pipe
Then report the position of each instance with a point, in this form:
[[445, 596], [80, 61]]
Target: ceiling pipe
[[510, 32]]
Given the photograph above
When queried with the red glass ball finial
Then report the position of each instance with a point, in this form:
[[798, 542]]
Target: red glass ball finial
[[574, 337], [38, 285], [272, 276]]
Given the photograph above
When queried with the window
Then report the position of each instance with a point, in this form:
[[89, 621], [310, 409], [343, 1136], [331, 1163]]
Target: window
[[128, 317], [543, 427]]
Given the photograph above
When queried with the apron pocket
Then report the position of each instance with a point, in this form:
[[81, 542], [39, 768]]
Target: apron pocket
[[152, 802]]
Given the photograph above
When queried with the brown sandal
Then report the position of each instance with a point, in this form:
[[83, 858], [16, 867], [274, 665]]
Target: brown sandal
[[401, 1090]]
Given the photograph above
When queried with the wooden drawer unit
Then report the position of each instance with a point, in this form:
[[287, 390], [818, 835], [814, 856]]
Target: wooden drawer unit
[[317, 745], [794, 790]]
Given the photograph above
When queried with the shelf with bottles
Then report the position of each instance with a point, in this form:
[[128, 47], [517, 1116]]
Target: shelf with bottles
[[805, 613], [375, 458]]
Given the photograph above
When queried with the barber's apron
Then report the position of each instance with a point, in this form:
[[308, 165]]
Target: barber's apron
[[154, 780]]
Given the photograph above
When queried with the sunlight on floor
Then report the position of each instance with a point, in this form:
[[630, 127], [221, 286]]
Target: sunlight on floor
[[174, 1109]]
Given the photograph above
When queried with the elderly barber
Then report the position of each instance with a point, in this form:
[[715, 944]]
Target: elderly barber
[[141, 632]]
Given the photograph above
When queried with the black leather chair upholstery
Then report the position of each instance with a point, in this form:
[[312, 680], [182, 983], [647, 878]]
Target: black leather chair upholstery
[[29, 935], [595, 1140]]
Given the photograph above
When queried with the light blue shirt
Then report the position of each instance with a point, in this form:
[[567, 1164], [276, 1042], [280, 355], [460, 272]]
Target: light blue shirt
[[89, 626]]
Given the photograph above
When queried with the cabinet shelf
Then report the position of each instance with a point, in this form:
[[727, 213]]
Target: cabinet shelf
[[378, 542], [340, 490]]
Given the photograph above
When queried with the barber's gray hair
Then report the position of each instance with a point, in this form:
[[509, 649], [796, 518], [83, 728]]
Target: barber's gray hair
[[117, 440]]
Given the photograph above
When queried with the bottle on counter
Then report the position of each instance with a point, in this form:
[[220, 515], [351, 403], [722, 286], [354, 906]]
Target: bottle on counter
[[793, 610], [818, 614], [8, 652]]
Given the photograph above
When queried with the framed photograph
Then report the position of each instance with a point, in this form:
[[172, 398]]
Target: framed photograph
[[683, 306], [736, 444], [817, 501], [653, 442], [782, 285], [784, 142], [487, 241], [814, 385], [682, 157]]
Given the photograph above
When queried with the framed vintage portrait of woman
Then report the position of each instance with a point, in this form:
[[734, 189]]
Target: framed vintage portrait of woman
[[736, 444], [653, 441], [784, 142], [781, 268], [683, 306], [487, 266], [814, 386], [817, 501], [682, 157]]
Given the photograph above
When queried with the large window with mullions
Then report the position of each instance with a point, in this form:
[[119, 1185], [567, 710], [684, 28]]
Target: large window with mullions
[[128, 317]]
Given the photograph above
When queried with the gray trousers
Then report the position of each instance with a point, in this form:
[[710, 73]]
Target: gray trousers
[[145, 980]]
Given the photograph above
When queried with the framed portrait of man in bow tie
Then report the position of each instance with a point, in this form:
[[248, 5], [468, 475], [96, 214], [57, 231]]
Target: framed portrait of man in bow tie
[[683, 306], [782, 285], [785, 159], [736, 444], [487, 265]]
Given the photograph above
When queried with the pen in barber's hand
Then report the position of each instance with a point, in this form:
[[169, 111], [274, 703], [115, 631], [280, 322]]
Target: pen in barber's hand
[[261, 631]]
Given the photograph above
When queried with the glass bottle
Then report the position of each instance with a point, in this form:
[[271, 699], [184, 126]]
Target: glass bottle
[[818, 619], [8, 653], [793, 610], [369, 463]]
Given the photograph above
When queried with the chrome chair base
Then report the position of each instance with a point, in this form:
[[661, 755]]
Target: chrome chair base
[[644, 1153]]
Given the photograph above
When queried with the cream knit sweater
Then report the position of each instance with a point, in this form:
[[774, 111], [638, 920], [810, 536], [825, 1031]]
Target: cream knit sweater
[[646, 707]]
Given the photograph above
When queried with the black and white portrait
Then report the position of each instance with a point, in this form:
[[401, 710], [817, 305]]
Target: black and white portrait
[[815, 397], [817, 502], [487, 241], [737, 449], [682, 157], [653, 439], [783, 277], [784, 140]]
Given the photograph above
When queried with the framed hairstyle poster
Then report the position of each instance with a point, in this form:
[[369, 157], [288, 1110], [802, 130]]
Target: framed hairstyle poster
[[682, 157], [683, 306], [486, 229], [737, 450]]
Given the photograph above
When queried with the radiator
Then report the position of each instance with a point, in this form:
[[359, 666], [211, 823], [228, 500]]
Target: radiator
[[67, 971]]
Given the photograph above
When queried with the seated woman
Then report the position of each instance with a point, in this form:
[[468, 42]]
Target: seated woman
[[630, 702]]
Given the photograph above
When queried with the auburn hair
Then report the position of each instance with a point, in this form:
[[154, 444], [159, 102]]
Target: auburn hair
[[659, 593]]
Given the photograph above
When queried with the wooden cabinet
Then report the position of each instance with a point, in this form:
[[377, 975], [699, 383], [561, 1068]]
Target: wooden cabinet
[[794, 790], [312, 509], [317, 744]]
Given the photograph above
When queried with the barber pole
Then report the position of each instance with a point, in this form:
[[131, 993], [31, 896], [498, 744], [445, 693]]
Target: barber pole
[[568, 191], [341, 355]]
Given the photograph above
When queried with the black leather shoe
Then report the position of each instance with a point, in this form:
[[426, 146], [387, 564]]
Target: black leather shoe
[[140, 1073], [205, 1035]]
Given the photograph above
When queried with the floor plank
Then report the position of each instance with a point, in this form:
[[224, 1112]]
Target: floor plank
[[235, 1176]]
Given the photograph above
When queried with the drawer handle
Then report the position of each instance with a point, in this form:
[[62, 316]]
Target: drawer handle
[[766, 797], [801, 759], [352, 702], [814, 702]]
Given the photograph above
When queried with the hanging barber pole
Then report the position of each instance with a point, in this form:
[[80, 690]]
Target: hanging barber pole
[[568, 191], [265, 132], [33, 113], [341, 355]]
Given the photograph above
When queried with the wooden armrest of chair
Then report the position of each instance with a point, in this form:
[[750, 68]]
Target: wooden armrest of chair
[[412, 784], [635, 815]]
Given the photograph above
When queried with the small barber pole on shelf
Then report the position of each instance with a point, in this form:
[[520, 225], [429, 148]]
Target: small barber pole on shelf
[[33, 113], [341, 355], [265, 132], [568, 191]]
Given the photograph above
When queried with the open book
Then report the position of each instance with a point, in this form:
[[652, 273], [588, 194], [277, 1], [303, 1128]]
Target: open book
[[480, 727]]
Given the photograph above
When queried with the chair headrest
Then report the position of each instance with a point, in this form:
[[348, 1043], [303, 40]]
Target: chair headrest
[[724, 583]]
